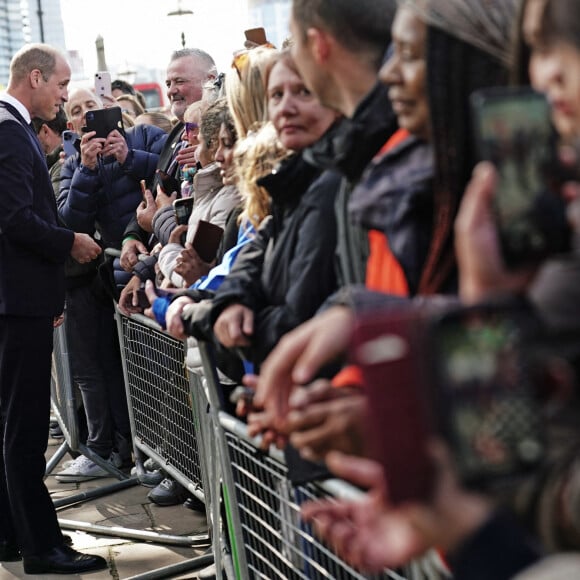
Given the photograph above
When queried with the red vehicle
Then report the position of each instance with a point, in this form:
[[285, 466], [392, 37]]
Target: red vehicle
[[153, 93]]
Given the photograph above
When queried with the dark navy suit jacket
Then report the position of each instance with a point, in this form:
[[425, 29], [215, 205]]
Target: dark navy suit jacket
[[33, 247]]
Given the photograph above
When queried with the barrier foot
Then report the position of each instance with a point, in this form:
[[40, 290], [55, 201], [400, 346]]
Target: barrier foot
[[94, 493], [55, 459], [175, 569], [132, 534]]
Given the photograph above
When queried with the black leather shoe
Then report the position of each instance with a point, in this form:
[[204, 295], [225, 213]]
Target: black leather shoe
[[9, 552], [63, 560]]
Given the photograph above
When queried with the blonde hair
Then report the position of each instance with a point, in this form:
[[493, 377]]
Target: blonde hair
[[246, 88], [256, 156]]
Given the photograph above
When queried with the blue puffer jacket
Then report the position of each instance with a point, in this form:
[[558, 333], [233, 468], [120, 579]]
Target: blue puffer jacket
[[105, 199]]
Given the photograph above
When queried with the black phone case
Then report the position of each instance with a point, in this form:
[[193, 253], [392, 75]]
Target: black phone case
[[103, 121], [513, 131]]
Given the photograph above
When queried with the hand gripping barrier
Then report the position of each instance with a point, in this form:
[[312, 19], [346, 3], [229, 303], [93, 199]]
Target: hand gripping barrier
[[266, 537]]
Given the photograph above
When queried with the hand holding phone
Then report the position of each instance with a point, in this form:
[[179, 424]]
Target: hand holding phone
[[182, 208], [206, 240], [168, 183], [514, 131]]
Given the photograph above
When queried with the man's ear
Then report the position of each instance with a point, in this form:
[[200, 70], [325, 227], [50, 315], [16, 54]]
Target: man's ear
[[320, 43], [70, 126], [35, 78]]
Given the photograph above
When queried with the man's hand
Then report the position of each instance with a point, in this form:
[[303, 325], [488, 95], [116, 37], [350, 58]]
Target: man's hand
[[84, 248], [91, 148], [130, 254], [190, 266], [116, 146], [235, 326], [129, 300], [146, 211], [299, 355]]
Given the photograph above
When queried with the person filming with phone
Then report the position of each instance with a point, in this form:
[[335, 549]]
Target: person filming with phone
[[100, 189]]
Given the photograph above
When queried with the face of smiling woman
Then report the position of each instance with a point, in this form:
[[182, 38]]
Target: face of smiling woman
[[406, 73]]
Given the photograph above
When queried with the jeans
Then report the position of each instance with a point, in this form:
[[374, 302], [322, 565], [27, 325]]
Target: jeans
[[96, 366]]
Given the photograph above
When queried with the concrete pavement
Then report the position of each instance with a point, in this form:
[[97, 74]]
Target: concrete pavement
[[128, 508]]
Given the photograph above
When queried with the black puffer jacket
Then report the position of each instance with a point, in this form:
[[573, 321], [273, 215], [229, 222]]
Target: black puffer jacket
[[287, 271]]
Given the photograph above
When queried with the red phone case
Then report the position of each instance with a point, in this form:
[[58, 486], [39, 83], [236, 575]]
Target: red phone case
[[386, 347]]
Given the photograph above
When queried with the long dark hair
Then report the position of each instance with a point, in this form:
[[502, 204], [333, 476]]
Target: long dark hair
[[454, 70]]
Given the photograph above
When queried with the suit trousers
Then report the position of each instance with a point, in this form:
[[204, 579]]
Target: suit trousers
[[27, 514]]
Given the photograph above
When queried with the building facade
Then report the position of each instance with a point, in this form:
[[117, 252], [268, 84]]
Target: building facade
[[24, 21], [273, 15]]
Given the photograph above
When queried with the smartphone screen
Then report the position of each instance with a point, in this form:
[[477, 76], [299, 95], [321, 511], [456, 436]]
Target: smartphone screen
[[514, 132], [488, 408], [183, 208]]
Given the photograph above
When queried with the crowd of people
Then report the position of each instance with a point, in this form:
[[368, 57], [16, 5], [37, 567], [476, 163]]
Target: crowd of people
[[391, 326]]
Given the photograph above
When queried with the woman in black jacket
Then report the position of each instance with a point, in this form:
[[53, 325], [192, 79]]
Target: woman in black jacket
[[282, 277]]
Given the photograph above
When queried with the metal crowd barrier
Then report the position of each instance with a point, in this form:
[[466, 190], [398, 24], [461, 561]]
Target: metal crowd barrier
[[166, 417], [267, 537], [253, 510]]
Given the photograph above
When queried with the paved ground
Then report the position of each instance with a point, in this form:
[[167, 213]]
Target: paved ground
[[127, 508]]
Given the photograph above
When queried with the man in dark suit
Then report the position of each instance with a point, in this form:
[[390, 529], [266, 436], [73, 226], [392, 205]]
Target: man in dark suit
[[33, 249]]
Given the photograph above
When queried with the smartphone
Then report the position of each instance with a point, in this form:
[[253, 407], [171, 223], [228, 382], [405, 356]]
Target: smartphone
[[514, 131], [69, 141], [103, 121], [183, 208], [143, 189], [168, 183], [387, 347], [103, 84], [256, 35], [206, 240], [485, 394]]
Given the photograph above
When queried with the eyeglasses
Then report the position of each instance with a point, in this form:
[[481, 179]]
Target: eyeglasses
[[190, 127]]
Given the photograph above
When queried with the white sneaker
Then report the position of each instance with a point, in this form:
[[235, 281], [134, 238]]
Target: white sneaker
[[81, 469]]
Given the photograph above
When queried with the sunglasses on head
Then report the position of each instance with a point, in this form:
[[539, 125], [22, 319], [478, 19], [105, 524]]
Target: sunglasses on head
[[240, 61], [190, 127]]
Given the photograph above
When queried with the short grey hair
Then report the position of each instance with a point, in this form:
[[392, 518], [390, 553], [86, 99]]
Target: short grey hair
[[31, 57], [206, 61]]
